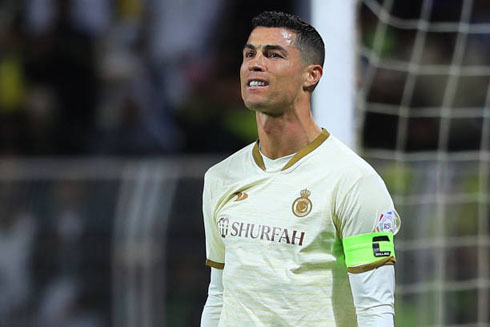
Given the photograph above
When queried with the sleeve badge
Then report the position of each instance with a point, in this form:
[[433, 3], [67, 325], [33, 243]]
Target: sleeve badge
[[387, 222]]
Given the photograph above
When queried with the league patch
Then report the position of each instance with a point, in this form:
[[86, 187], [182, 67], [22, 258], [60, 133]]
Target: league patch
[[387, 222]]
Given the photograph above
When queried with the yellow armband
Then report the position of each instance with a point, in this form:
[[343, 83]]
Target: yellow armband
[[368, 251]]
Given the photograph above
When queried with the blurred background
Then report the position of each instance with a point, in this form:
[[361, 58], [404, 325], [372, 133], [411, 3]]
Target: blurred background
[[112, 110]]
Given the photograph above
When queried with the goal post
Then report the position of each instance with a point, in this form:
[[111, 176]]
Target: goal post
[[423, 106], [420, 115], [333, 99]]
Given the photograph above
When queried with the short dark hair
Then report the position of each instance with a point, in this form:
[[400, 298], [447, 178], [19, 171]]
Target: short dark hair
[[308, 40]]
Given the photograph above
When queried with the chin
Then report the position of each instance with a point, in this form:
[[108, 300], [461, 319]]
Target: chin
[[265, 109], [255, 106]]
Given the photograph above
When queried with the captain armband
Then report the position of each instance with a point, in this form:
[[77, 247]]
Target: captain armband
[[365, 252]]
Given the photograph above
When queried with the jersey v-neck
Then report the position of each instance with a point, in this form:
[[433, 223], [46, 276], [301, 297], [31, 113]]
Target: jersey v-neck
[[275, 165], [259, 160]]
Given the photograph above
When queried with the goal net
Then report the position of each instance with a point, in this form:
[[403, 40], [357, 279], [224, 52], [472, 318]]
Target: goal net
[[424, 123]]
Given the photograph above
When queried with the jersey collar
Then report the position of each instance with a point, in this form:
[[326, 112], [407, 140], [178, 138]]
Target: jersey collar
[[298, 156]]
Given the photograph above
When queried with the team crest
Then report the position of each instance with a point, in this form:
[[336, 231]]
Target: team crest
[[302, 205]]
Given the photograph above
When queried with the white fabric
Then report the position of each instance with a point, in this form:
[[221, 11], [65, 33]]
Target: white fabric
[[214, 303], [275, 165], [283, 268], [374, 296], [373, 293]]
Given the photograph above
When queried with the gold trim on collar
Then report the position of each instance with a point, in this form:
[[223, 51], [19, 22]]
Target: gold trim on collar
[[257, 156], [307, 149], [298, 156]]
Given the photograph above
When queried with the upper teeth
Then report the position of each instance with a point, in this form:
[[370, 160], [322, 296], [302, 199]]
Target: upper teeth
[[257, 83]]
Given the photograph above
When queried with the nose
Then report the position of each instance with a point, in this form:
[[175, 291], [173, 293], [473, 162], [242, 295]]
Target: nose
[[257, 63]]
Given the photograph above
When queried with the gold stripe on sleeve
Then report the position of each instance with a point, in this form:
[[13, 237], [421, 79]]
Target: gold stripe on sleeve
[[214, 264], [372, 265]]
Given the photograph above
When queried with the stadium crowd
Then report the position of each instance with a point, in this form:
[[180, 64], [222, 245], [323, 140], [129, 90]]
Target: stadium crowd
[[126, 78]]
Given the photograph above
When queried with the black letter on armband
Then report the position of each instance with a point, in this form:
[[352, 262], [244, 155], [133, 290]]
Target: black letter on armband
[[377, 252]]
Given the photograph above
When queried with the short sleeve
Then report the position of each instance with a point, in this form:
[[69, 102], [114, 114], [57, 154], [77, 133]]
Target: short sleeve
[[215, 251], [366, 207]]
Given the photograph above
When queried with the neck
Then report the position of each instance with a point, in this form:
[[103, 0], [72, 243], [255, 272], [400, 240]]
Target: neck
[[288, 133]]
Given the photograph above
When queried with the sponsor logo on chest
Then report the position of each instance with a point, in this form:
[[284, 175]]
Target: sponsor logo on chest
[[236, 228], [261, 232]]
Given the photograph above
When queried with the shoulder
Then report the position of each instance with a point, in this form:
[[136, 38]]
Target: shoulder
[[230, 168], [347, 164]]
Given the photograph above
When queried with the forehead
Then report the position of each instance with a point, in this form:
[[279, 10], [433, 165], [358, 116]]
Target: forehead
[[271, 36]]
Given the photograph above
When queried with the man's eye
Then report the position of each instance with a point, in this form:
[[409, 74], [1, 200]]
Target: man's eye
[[249, 54], [274, 55]]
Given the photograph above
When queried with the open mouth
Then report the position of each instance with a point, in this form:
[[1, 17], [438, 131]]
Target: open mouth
[[257, 83]]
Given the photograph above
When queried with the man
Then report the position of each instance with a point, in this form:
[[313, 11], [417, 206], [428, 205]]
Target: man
[[299, 229]]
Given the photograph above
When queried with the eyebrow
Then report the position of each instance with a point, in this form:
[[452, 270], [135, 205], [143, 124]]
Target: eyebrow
[[267, 47]]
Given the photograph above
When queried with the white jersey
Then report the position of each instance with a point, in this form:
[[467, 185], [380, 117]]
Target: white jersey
[[278, 235]]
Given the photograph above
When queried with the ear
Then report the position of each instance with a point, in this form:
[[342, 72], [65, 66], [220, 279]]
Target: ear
[[313, 73]]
